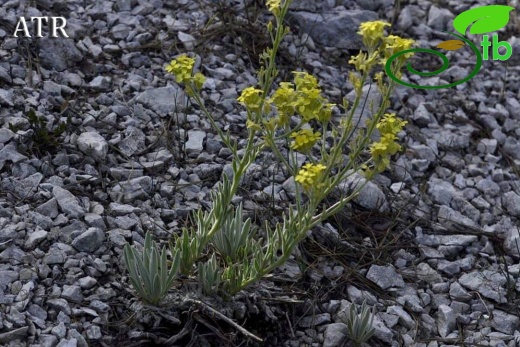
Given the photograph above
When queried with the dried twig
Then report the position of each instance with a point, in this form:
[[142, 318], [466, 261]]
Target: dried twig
[[185, 330], [290, 325], [212, 311]]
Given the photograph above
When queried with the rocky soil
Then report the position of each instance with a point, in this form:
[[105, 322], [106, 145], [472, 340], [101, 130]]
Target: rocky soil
[[431, 243]]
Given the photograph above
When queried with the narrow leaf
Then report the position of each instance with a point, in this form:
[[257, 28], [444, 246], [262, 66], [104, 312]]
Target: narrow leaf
[[164, 270]]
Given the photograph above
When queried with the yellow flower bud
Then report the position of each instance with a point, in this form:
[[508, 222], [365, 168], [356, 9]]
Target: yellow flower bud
[[273, 6], [252, 125]]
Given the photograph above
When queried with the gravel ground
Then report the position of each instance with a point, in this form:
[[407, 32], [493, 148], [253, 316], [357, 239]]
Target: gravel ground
[[431, 243]]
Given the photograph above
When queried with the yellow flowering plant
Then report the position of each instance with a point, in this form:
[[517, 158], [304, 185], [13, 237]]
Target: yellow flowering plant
[[182, 69], [295, 115]]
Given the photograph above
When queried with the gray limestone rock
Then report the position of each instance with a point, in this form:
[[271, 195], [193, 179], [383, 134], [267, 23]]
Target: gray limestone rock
[[441, 191], [68, 202], [385, 276], [10, 153], [165, 101], [505, 322], [134, 141], [370, 196], [89, 241], [58, 54], [511, 202], [446, 320], [488, 283], [195, 141], [93, 144], [329, 28], [334, 334]]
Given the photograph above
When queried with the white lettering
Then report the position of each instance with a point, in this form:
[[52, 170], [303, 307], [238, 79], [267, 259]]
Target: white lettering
[[57, 23], [24, 29], [55, 26], [39, 24]]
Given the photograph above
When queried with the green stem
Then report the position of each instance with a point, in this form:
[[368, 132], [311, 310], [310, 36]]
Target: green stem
[[305, 223], [247, 159], [243, 165], [345, 135], [223, 136]]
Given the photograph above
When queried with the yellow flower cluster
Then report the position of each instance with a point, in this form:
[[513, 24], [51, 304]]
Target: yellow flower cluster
[[356, 82], [362, 63], [372, 32], [387, 146], [305, 99], [199, 80], [182, 69], [302, 97], [380, 47], [273, 6], [390, 124], [251, 98], [304, 140], [284, 98], [395, 44], [304, 81], [310, 175], [325, 112]]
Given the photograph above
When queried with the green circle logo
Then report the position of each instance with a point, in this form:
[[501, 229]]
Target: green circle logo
[[445, 65], [479, 20]]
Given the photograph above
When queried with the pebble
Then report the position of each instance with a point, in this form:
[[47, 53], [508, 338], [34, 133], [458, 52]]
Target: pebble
[[89, 241], [385, 276], [194, 145], [165, 101], [68, 203], [93, 144]]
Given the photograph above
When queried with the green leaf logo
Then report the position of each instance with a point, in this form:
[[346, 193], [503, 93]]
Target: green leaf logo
[[482, 19]]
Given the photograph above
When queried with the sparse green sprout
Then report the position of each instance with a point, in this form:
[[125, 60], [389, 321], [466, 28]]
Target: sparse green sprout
[[209, 275], [233, 237], [360, 326], [190, 244], [44, 139], [148, 271]]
